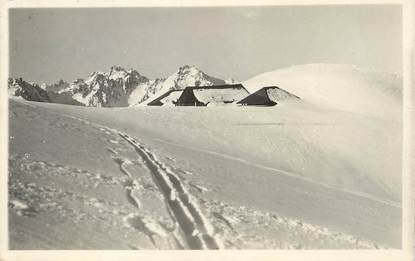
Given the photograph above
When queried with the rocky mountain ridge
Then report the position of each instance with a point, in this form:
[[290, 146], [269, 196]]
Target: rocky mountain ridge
[[118, 87]]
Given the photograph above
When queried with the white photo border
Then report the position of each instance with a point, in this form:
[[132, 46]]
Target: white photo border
[[406, 253]]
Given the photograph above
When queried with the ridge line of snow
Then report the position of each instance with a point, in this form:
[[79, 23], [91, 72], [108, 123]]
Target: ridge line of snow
[[337, 65]]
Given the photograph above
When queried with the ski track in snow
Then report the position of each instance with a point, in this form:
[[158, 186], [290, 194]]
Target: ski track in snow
[[198, 232], [161, 171], [132, 186]]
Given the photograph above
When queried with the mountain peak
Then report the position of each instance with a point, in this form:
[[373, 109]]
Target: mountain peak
[[116, 69], [187, 66], [189, 69], [117, 72], [27, 90], [95, 74]]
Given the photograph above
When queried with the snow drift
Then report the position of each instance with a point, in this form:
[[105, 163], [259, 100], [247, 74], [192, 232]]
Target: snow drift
[[342, 87]]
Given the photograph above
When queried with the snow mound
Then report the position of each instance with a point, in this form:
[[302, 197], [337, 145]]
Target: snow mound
[[342, 87]]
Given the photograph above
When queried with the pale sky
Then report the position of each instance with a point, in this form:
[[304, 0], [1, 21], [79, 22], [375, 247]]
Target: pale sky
[[227, 42]]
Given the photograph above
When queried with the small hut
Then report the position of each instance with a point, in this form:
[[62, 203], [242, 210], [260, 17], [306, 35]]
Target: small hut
[[212, 95], [169, 98], [267, 96]]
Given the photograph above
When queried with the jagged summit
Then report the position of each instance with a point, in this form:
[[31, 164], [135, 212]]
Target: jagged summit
[[28, 91], [55, 87], [186, 75], [188, 71], [190, 75], [188, 67], [117, 68], [117, 72]]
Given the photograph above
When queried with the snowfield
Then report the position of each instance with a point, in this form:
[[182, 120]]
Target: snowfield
[[300, 175], [337, 86]]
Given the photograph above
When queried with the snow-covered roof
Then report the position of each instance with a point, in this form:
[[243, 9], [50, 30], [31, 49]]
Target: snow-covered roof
[[172, 97], [219, 94], [168, 98], [270, 95], [276, 94]]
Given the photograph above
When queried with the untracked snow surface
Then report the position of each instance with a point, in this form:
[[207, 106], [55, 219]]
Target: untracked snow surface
[[341, 87], [310, 174]]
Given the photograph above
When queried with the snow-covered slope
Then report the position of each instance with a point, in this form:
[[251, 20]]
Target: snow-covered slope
[[321, 173], [310, 178], [342, 87]]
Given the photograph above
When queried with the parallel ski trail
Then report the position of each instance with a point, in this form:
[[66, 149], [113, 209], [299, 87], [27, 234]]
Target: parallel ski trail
[[198, 232]]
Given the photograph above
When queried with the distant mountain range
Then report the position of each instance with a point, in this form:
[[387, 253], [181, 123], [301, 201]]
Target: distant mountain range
[[116, 88]]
